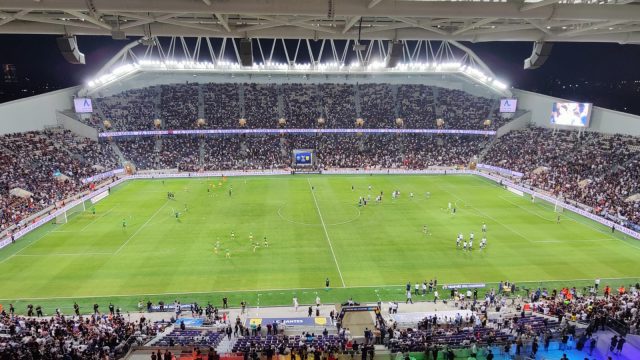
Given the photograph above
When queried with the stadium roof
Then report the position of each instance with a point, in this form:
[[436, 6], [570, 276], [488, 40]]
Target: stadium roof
[[615, 21]]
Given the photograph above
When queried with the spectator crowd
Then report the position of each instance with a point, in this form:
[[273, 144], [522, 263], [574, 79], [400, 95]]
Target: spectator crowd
[[222, 105], [45, 168], [594, 169], [99, 337]]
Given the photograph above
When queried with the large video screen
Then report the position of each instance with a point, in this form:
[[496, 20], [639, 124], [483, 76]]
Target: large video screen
[[303, 157], [508, 105], [82, 105], [571, 114]]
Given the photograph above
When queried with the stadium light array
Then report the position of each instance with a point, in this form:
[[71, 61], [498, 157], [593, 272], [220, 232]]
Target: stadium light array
[[303, 68]]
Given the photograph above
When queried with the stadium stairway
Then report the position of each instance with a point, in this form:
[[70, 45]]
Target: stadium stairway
[[241, 99], [98, 109], [201, 152], [279, 102], [200, 102], [357, 100], [396, 104], [116, 149], [437, 109], [226, 345]]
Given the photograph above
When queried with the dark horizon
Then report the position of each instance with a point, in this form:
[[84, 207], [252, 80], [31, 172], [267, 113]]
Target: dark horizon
[[602, 73]]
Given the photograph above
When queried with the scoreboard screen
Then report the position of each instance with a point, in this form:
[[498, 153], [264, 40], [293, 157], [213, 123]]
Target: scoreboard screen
[[82, 105], [571, 114], [303, 157]]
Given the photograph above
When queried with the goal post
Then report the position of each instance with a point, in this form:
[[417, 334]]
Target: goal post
[[65, 216]]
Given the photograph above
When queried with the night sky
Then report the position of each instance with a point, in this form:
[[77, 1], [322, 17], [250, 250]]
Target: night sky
[[599, 70]]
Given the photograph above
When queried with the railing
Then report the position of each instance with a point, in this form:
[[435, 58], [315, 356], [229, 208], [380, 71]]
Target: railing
[[112, 134]]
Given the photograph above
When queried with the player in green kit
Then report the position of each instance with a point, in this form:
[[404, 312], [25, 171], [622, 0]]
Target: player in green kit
[[266, 243], [124, 224], [93, 210]]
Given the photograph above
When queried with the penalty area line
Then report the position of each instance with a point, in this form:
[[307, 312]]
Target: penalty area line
[[96, 219], [140, 228], [326, 233]]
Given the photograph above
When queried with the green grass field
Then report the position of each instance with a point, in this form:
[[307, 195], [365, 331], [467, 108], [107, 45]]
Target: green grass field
[[367, 252]]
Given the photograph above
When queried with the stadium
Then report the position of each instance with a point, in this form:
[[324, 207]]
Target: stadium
[[317, 179]]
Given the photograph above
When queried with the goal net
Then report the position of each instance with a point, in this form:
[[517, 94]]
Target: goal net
[[65, 216]]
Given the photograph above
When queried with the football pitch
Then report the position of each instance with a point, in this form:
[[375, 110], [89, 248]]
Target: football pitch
[[315, 230]]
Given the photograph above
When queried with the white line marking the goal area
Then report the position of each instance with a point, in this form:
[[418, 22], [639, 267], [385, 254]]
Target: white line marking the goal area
[[141, 227], [326, 233]]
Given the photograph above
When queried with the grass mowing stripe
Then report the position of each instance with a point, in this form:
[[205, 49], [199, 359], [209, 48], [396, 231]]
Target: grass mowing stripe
[[382, 247], [309, 290], [525, 209], [487, 215], [21, 250], [68, 254], [326, 233], [96, 219], [140, 228]]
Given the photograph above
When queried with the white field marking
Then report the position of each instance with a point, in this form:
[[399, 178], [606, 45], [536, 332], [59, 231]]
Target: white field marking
[[591, 223], [64, 231], [21, 250], [525, 209], [141, 227], [588, 223], [488, 216], [383, 287], [572, 241], [67, 254], [294, 222], [94, 220], [326, 233]]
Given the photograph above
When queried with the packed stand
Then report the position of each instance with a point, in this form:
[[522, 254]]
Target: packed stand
[[221, 105], [50, 165], [594, 169], [461, 110], [130, 110], [338, 105], [174, 152], [377, 105], [301, 105], [257, 152], [261, 105], [268, 152], [416, 106], [179, 105], [617, 307], [64, 337]]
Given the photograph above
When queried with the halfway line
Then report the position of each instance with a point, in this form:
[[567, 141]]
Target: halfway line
[[326, 233]]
